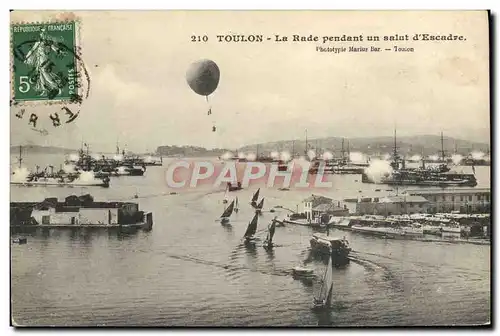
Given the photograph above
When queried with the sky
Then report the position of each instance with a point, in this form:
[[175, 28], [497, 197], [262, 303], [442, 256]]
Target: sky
[[137, 62]]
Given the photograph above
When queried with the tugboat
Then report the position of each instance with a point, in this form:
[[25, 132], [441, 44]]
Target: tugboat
[[337, 248]]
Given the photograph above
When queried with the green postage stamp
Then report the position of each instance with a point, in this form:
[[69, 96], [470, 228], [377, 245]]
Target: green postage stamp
[[44, 62]]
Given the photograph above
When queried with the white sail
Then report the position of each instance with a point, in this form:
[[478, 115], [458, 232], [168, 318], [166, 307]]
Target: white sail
[[325, 291]]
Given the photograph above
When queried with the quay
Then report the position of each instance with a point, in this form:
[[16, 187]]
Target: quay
[[318, 208], [452, 239], [460, 215]]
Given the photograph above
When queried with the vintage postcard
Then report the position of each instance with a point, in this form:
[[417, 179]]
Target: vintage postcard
[[250, 168]]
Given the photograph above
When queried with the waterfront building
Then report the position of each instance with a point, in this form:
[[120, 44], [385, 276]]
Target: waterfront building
[[464, 200], [307, 205], [330, 209], [76, 211], [386, 206]]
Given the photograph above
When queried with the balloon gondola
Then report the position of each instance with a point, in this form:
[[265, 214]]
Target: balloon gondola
[[203, 78]]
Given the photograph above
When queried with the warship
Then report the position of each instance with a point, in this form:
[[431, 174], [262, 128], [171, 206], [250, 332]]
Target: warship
[[439, 176]]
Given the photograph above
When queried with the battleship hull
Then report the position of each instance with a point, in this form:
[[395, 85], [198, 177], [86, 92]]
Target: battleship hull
[[55, 183], [434, 182]]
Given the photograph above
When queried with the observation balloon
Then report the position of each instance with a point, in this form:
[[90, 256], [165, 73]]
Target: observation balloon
[[203, 77]]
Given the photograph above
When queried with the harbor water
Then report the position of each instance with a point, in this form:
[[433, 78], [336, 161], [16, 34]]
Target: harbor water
[[191, 271]]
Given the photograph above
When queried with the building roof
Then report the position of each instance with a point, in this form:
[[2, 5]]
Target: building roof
[[328, 207], [451, 191], [317, 200], [403, 199]]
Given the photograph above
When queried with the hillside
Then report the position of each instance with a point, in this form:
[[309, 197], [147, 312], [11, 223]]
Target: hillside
[[188, 151], [36, 149], [426, 144]]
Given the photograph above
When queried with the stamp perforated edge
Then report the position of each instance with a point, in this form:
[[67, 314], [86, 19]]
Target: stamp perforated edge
[[79, 65]]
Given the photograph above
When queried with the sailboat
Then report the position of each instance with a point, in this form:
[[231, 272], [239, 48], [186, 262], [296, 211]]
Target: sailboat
[[324, 297], [224, 218], [236, 205], [258, 208], [268, 243], [255, 198], [251, 230], [225, 200]]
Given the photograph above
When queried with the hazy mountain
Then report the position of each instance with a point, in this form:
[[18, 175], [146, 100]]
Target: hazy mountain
[[161, 150], [426, 144], [36, 149], [189, 151]]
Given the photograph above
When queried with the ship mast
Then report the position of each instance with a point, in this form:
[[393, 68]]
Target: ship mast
[[348, 151], [81, 148], [442, 148], [343, 150], [293, 148], [395, 148], [423, 159], [20, 158], [305, 151], [395, 152]]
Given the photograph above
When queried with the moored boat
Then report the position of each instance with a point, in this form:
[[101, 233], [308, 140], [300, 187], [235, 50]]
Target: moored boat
[[390, 230], [234, 186], [20, 240], [282, 166], [62, 182], [128, 170], [152, 161], [302, 271]]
